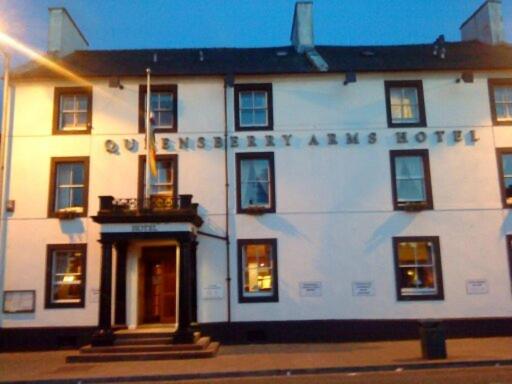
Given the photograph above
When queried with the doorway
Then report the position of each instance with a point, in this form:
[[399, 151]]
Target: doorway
[[157, 285]]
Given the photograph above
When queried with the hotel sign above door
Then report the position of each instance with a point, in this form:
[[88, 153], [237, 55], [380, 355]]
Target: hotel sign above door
[[313, 140]]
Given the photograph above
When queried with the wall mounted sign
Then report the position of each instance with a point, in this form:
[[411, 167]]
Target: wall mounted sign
[[477, 287], [19, 301], [213, 292], [94, 297], [144, 228], [347, 139], [310, 289], [363, 288]]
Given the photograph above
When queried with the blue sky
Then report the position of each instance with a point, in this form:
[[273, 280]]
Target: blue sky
[[109, 24]]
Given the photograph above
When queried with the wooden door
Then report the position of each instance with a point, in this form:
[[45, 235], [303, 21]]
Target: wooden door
[[168, 288]]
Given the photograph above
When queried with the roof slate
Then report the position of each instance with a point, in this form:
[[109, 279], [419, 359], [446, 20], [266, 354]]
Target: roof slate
[[277, 60]]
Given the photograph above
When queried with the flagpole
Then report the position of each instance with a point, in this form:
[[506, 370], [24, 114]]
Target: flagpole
[[147, 193]]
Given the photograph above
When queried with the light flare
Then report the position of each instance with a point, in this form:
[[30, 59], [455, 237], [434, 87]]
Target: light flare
[[41, 59]]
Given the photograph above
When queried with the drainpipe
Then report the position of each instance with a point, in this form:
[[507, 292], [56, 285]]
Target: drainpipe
[[4, 137], [228, 82]]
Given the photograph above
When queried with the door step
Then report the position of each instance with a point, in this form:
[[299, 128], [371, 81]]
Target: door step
[[132, 347]]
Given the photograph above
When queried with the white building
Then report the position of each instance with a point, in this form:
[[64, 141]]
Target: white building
[[337, 192]]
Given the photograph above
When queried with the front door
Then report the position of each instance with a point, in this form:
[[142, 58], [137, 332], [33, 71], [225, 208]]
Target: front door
[[158, 275]]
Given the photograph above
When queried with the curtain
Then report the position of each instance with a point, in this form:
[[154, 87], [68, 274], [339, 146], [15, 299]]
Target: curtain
[[255, 182], [410, 183]]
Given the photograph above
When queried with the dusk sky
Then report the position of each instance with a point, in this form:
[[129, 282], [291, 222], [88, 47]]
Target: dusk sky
[[117, 24]]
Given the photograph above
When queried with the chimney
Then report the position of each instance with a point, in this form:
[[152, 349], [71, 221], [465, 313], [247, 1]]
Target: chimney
[[64, 36], [302, 28], [485, 24], [302, 35]]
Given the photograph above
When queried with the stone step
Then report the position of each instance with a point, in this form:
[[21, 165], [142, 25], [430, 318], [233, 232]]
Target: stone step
[[142, 335], [199, 345], [144, 341], [210, 351]]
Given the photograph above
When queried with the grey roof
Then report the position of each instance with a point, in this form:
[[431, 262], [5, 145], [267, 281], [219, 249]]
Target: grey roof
[[278, 60]]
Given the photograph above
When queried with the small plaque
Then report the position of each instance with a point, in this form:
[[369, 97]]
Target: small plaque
[[213, 292], [19, 301], [477, 287], [363, 288], [310, 289], [94, 297]]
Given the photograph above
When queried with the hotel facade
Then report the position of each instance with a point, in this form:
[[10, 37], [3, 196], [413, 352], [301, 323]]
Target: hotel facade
[[302, 193]]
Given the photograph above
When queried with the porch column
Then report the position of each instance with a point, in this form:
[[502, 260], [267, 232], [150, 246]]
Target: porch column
[[104, 334], [185, 334], [120, 304]]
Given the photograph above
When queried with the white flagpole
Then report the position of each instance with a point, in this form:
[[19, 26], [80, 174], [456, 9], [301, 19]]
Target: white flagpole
[[148, 138]]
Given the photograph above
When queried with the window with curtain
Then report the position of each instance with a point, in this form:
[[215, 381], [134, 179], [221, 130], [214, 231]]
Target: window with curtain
[[255, 182], [405, 103], [65, 275], [163, 186], [257, 270], [503, 103], [505, 161], [418, 268], [69, 178], [411, 179], [164, 107]]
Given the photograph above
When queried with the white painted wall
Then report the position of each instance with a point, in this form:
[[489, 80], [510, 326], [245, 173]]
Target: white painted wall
[[334, 220]]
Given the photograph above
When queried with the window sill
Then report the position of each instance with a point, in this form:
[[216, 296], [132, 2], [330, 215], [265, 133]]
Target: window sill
[[413, 207], [256, 211], [68, 215]]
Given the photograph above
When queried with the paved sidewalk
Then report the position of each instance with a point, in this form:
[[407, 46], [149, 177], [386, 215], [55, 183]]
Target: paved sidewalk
[[259, 360]]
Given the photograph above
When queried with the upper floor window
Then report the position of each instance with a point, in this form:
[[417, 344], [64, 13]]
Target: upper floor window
[[418, 268], [410, 177], [255, 182], [68, 187], [405, 104], [257, 270], [164, 107], [253, 107], [504, 156], [500, 92], [65, 275], [164, 186], [72, 110]]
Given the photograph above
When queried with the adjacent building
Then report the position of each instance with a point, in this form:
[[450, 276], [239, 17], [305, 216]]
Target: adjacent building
[[302, 192]]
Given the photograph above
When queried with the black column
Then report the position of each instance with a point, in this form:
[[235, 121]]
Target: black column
[[185, 334], [193, 267], [120, 304], [104, 334]]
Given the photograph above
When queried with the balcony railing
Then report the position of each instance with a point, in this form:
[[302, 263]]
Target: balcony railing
[[158, 208]]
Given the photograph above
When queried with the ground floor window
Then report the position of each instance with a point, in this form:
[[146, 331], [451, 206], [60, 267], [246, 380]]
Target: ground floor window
[[65, 275], [418, 268], [257, 270]]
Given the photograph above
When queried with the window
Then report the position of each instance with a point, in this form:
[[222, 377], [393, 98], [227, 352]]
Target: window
[[405, 104], [257, 270], [253, 107], [504, 156], [163, 186], [68, 187], [410, 177], [164, 108], [72, 110], [500, 92], [65, 275], [255, 182], [418, 268]]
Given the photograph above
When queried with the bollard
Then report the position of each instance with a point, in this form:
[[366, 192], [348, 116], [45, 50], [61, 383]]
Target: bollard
[[433, 339]]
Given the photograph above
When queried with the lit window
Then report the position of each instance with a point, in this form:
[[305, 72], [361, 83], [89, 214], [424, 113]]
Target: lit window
[[253, 106], [255, 182], [411, 179], [163, 108], [69, 194], [258, 270], [405, 105], [65, 276], [505, 168], [418, 268], [500, 91], [72, 110]]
